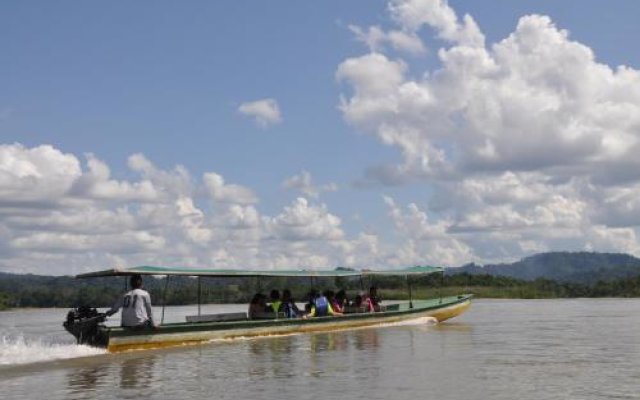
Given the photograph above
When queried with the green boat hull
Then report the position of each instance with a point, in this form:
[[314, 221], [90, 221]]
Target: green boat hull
[[118, 339]]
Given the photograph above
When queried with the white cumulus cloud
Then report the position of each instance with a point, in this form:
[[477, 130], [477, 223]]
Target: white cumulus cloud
[[376, 39], [304, 183], [220, 191], [265, 112], [303, 221], [38, 174], [60, 215], [526, 143]]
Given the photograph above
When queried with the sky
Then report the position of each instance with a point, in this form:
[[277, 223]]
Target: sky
[[237, 134]]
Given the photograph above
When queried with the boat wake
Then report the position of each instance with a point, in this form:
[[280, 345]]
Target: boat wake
[[18, 350], [411, 322], [420, 321]]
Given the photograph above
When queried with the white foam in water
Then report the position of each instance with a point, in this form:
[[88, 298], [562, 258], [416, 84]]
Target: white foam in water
[[412, 322], [15, 351]]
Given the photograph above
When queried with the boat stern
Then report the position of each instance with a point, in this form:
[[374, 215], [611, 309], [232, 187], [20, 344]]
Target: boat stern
[[85, 324]]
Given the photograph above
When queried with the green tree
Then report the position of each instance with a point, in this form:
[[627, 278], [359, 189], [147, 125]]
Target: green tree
[[4, 301]]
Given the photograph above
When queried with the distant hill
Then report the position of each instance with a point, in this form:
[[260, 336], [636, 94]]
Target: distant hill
[[547, 275], [576, 267]]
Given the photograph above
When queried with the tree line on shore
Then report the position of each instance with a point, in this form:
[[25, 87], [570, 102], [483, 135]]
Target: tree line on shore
[[49, 291]]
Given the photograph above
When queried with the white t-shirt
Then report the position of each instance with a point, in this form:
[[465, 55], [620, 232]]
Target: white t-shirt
[[136, 308]]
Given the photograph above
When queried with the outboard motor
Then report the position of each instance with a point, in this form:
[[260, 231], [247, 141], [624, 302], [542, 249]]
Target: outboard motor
[[82, 323]]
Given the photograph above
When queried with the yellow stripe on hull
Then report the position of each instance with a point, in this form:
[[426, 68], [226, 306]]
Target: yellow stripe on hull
[[446, 313], [161, 340]]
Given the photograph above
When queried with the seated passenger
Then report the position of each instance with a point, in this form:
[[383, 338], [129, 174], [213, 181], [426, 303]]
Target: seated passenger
[[288, 305], [357, 301], [274, 306], [321, 307], [311, 296], [136, 306], [257, 306], [340, 301], [330, 295], [372, 303]]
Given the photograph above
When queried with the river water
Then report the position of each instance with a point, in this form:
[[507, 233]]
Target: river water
[[499, 349]]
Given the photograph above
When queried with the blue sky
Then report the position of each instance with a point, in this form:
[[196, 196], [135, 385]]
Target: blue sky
[[166, 80]]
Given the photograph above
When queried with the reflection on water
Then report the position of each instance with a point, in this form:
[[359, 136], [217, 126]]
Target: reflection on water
[[137, 373], [129, 376], [276, 356], [289, 356], [577, 349], [84, 380], [453, 326], [366, 339], [328, 341]]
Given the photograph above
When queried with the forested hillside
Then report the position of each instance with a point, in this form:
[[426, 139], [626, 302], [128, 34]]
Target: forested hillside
[[580, 267], [63, 291]]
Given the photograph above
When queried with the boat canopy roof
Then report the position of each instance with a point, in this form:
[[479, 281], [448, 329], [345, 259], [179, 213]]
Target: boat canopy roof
[[226, 273]]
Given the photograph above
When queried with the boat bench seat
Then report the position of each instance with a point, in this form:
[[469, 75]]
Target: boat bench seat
[[355, 310], [236, 316], [269, 315]]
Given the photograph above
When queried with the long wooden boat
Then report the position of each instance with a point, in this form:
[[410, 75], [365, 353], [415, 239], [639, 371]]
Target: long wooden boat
[[86, 324]]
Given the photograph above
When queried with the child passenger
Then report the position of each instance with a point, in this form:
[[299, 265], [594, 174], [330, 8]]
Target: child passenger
[[372, 303], [288, 305], [321, 307], [340, 301]]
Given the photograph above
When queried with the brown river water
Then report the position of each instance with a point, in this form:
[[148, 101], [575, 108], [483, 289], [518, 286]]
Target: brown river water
[[499, 349]]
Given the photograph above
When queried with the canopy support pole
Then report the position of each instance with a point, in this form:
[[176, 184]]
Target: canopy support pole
[[441, 285], [164, 297], [410, 294], [199, 295], [361, 283]]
